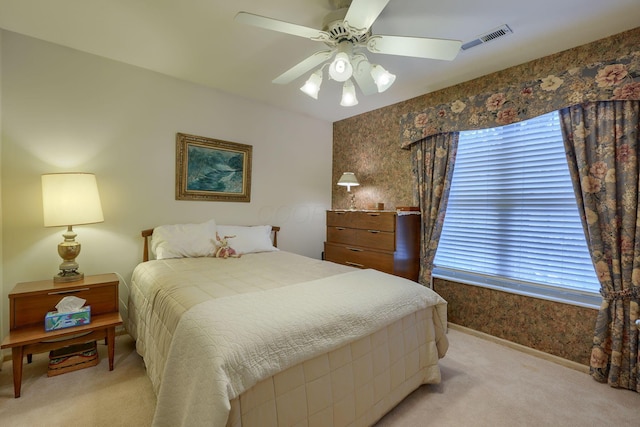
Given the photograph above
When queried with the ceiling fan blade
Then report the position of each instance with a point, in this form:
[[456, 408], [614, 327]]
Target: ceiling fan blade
[[302, 67], [362, 75], [415, 46], [281, 26], [362, 14]]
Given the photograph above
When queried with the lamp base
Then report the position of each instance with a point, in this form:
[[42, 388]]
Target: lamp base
[[68, 251], [352, 202], [68, 276]]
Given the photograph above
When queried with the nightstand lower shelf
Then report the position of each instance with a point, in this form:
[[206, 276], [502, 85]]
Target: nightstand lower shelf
[[33, 339]]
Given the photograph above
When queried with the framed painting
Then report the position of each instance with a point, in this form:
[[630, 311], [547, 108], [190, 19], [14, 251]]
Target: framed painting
[[211, 169]]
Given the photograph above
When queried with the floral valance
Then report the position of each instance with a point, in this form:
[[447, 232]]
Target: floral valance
[[615, 80]]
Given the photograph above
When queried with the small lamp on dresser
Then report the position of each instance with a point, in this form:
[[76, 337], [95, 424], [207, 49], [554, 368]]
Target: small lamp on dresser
[[70, 199], [348, 179]]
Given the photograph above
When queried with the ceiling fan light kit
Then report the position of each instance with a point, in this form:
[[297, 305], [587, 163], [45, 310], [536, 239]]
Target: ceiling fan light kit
[[346, 31], [382, 77], [341, 69], [348, 95], [312, 86]]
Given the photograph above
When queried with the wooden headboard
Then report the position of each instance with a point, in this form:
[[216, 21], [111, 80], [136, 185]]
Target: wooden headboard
[[146, 234]]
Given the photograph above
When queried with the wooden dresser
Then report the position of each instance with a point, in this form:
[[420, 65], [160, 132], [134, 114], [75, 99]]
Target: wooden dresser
[[388, 241]]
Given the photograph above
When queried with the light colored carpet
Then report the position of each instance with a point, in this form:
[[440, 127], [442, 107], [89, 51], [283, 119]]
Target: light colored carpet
[[484, 384], [489, 384], [88, 397]]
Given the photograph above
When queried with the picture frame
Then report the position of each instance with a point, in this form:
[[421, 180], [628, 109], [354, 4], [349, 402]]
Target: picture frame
[[212, 170]]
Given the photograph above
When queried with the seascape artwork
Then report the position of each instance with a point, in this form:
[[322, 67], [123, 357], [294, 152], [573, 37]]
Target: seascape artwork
[[215, 170], [212, 169]]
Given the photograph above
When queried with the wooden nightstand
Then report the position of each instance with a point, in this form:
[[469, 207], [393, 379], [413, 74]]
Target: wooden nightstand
[[30, 301]]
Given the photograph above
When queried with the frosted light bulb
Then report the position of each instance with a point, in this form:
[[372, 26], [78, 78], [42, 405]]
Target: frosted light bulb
[[340, 69]]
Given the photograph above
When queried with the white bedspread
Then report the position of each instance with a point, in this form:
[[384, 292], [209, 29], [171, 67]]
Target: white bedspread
[[163, 290], [242, 339]]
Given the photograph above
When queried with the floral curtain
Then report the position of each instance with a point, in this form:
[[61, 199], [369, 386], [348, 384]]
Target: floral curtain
[[615, 80], [433, 162], [614, 356], [602, 141]]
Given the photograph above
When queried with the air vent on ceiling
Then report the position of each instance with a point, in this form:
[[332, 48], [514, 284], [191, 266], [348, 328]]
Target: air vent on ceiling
[[501, 31]]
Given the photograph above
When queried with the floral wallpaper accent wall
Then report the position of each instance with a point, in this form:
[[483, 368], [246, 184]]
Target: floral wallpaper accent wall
[[560, 329], [370, 146]]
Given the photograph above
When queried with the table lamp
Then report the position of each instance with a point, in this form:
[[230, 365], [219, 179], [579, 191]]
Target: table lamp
[[348, 179], [70, 199]]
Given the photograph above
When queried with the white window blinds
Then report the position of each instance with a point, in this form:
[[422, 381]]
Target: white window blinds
[[512, 216]]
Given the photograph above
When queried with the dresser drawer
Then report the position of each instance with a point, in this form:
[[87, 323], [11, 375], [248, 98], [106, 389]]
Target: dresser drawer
[[372, 239], [375, 239], [380, 221], [30, 309], [372, 220], [342, 235], [359, 257], [338, 219]]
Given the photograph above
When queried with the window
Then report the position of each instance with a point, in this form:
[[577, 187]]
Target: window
[[512, 220]]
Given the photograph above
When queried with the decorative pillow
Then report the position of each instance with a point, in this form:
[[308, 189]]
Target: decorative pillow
[[184, 240], [247, 240]]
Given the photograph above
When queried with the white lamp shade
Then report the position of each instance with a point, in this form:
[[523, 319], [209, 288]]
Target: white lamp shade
[[341, 69], [348, 95], [348, 179], [382, 77], [70, 199], [312, 86]]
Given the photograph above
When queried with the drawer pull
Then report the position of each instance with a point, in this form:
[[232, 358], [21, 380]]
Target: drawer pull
[[373, 231], [71, 291], [340, 228], [354, 264], [339, 213], [355, 249], [373, 214]]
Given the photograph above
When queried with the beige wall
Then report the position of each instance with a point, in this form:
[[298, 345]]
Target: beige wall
[[369, 146], [64, 110]]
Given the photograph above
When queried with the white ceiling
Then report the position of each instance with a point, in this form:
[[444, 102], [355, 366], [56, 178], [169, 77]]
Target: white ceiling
[[198, 40]]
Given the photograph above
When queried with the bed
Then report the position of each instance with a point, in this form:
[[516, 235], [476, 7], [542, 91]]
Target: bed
[[271, 338]]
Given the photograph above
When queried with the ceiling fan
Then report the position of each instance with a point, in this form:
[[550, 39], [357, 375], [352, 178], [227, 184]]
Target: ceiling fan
[[347, 32]]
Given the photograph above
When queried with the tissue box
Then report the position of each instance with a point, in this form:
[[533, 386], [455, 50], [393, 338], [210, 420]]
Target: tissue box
[[54, 320]]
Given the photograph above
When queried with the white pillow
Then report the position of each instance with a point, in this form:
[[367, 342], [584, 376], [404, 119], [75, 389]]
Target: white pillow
[[184, 240], [255, 238]]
